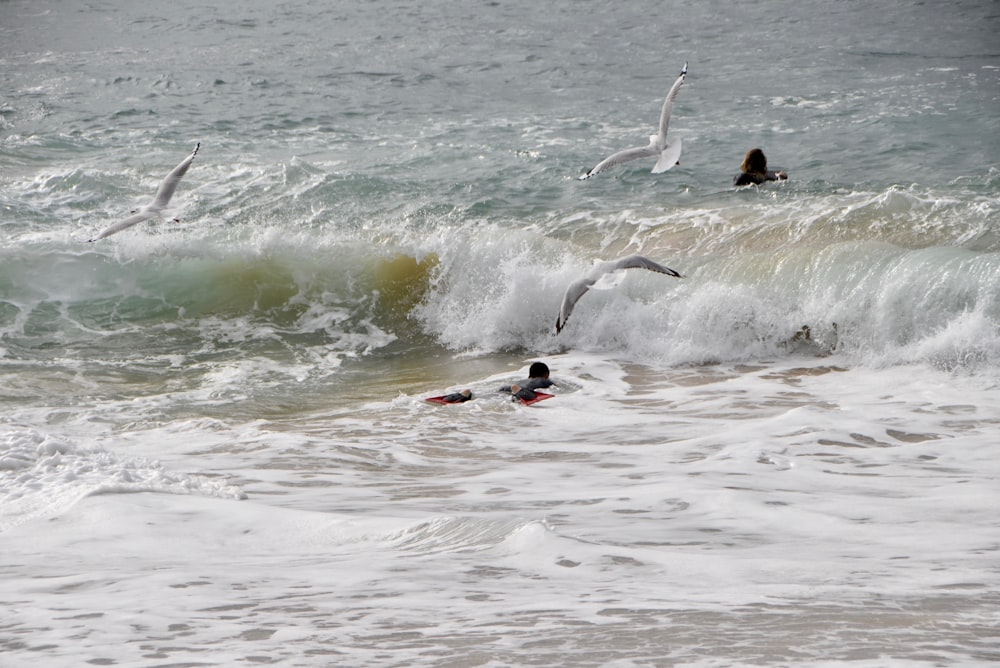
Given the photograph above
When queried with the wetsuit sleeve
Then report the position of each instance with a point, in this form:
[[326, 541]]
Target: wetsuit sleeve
[[525, 393]]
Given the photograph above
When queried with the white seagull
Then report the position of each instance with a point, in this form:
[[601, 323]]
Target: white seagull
[[159, 203], [667, 152], [578, 288]]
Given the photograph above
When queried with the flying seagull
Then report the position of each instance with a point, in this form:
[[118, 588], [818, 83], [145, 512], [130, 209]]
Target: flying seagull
[[159, 203], [579, 288], [667, 153]]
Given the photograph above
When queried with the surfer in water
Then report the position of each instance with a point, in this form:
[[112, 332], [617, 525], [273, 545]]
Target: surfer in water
[[538, 379], [754, 170]]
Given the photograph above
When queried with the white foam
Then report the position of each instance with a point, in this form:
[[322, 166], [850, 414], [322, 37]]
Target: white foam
[[43, 476]]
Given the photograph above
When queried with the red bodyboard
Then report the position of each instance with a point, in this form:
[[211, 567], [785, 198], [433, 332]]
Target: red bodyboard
[[442, 400], [539, 396]]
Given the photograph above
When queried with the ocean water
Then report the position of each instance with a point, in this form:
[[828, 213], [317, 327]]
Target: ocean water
[[214, 444]]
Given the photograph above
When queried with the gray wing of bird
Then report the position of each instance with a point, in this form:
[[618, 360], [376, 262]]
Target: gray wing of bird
[[668, 105], [573, 293], [620, 157], [577, 289], [134, 219], [639, 262], [169, 185]]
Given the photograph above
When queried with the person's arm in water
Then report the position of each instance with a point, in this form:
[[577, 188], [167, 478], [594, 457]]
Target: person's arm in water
[[526, 389], [524, 393], [537, 383]]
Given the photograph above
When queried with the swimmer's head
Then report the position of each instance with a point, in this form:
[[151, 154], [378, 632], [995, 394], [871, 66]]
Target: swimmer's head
[[754, 162], [538, 370]]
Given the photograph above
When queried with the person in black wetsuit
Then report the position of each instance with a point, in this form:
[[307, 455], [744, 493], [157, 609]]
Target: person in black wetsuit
[[538, 379], [754, 170]]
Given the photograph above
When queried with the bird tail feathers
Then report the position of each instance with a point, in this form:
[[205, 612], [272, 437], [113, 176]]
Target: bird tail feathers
[[668, 157]]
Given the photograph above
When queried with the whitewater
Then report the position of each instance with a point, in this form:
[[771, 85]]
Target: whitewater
[[215, 444]]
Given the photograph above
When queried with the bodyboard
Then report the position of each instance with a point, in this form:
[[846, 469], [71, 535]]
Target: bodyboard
[[444, 400], [539, 396]]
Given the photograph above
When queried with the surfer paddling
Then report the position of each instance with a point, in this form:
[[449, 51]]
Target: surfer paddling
[[754, 170], [525, 391], [538, 379]]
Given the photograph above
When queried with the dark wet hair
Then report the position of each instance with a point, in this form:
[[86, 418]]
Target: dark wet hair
[[538, 370], [755, 162]]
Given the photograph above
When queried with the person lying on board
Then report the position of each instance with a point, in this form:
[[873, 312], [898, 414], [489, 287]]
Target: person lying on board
[[754, 170], [538, 379]]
